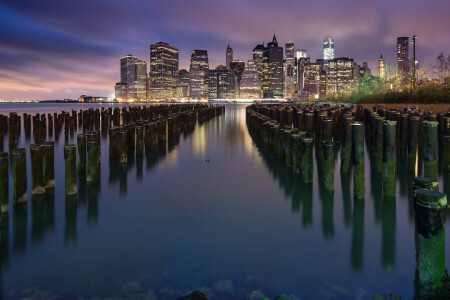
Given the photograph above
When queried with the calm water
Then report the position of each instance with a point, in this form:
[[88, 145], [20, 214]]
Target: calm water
[[239, 226]]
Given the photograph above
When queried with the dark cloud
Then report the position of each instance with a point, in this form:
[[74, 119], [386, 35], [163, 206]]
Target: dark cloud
[[60, 49]]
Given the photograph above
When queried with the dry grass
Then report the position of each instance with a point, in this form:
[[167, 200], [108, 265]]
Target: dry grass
[[437, 108]]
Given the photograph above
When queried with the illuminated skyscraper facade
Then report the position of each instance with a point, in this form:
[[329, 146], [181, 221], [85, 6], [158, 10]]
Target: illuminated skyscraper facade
[[301, 62], [289, 76], [182, 90], [221, 83], [250, 86], [229, 56], [258, 58], [328, 49], [273, 84], [340, 78], [381, 68], [403, 56], [312, 77], [163, 70], [301, 53], [198, 75], [137, 80]]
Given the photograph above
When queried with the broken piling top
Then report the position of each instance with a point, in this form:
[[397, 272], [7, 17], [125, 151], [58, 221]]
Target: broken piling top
[[425, 183], [430, 199]]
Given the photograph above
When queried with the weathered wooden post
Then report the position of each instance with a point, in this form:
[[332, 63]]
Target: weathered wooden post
[[346, 143], [296, 149], [19, 166], [430, 158], [114, 143], [123, 145], [92, 160], [81, 143], [430, 242], [139, 140], [70, 161], [446, 153], [413, 139], [4, 182], [328, 166], [49, 165], [389, 159], [37, 169], [358, 161]]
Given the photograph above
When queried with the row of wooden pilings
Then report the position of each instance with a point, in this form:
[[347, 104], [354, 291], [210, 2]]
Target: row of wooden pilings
[[391, 135], [139, 128]]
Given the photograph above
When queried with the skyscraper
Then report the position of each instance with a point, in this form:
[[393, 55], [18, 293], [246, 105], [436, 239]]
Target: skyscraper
[[340, 76], [125, 61], [289, 78], [198, 75], [137, 80], [221, 83], [312, 77], [229, 56], [250, 86], [273, 86], [301, 53], [183, 84], [402, 56], [328, 48], [237, 67], [163, 70], [300, 71], [258, 55], [381, 68]]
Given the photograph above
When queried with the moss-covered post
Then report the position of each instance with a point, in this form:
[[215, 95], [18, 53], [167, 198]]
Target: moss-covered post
[[328, 166], [389, 159], [19, 166], [307, 166], [403, 135], [413, 139], [446, 153], [309, 122], [4, 182], [296, 148], [81, 143], [288, 147], [358, 161], [430, 157], [37, 169], [346, 143], [70, 161], [424, 183], [430, 242], [49, 165], [114, 143], [123, 145], [377, 154], [92, 160]]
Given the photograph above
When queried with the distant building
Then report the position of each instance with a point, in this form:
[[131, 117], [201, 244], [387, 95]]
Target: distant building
[[381, 68], [121, 90], [323, 84], [163, 70], [198, 75], [340, 76], [328, 49], [250, 86], [300, 71], [365, 70], [403, 56], [237, 67], [137, 80], [273, 84], [221, 83], [182, 90], [301, 53], [258, 58], [289, 78], [92, 99], [312, 77], [229, 57]]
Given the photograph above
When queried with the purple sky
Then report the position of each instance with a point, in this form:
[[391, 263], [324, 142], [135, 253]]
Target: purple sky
[[61, 49]]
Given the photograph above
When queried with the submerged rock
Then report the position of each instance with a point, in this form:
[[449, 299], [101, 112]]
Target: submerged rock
[[195, 295]]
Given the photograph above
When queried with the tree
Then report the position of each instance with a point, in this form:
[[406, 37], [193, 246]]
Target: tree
[[441, 67]]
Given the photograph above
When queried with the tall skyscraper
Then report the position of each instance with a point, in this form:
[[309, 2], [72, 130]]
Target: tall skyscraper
[[198, 75], [237, 67], [273, 86], [258, 55], [133, 79], [340, 76], [163, 70], [289, 78], [221, 83], [328, 48], [250, 87], [312, 77], [229, 56], [402, 56], [137, 80], [381, 68], [183, 84]]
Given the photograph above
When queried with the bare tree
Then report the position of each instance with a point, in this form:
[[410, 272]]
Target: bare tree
[[441, 67]]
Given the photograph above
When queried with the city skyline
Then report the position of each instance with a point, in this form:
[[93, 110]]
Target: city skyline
[[56, 52]]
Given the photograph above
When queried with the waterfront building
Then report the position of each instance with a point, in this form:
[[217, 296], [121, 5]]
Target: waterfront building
[[221, 83], [229, 57], [273, 85], [289, 75], [402, 56], [198, 75], [381, 68], [312, 77], [125, 61], [163, 70], [258, 58], [250, 85], [137, 80], [340, 78], [121, 90], [182, 90], [328, 49]]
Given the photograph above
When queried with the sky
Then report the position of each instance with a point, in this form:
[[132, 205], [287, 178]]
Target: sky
[[61, 49]]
